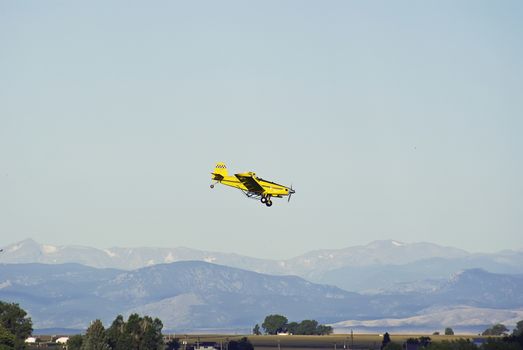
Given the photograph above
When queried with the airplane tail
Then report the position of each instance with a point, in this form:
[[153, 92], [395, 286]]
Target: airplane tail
[[220, 171]]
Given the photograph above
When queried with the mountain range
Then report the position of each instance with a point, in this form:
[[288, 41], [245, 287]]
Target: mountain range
[[385, 285], [194, 295], [375, 267], [187, 294]]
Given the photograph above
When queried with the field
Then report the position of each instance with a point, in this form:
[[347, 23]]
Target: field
[[297, 342]]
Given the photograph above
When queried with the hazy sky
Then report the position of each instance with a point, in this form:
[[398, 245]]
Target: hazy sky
[[392, 119]]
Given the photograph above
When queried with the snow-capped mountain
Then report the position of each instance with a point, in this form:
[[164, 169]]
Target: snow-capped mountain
[[377, 252], [375, 267], [30, 251]]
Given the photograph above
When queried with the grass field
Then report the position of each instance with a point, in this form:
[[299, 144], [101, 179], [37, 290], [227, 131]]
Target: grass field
[[308, 342]]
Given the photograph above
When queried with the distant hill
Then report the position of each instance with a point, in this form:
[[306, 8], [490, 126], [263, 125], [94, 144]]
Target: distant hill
[[376, 267], [462, 319], [422, 274], [468, 301], [186, 295], [482, 289], [195, 295]]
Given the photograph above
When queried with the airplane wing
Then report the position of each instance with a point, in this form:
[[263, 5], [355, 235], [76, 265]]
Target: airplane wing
[[250, 183]]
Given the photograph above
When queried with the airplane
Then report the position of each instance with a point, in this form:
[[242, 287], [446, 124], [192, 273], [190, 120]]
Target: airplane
[[252, 186]]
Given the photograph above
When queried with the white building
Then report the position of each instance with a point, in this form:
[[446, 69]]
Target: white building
[[62, 340]]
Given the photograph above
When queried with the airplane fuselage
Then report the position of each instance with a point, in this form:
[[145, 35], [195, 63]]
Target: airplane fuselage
[[269, 188], [253, 186]]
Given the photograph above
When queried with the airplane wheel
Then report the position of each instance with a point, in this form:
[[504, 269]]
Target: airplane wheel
[[263, 199], [212, 186], [269, 203]]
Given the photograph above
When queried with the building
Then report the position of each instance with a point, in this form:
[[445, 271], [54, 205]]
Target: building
[[62, 340]]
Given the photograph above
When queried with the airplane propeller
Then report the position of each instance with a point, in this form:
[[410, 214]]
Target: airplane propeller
[[290, 194]]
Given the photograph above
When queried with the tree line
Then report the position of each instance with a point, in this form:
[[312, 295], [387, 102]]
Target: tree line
[[496, 330], [137, 333], [424, 343], [513, 341], [15, 326], [274, 324], [145, 333]]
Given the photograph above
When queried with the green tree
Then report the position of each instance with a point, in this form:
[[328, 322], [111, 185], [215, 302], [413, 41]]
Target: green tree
[[292, 327], [497, 329], [132, 330], [138, 333], [95, 338], [519, 329], [151, 336], [7, 339], [117, 338], [274, 324], [498, 344], [307, 327], [386, 340], [75, 342], [14, 319], [242, 344], [256, 330], [324, 330], [173, 344], [449, 331]]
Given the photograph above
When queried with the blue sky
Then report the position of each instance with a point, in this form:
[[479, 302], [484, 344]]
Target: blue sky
[[392, 120]]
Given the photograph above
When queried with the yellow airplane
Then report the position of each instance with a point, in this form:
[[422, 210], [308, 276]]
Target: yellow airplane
[[251, 185]]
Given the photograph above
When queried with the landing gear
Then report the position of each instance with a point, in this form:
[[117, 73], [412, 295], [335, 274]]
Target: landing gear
[[266, 200]]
